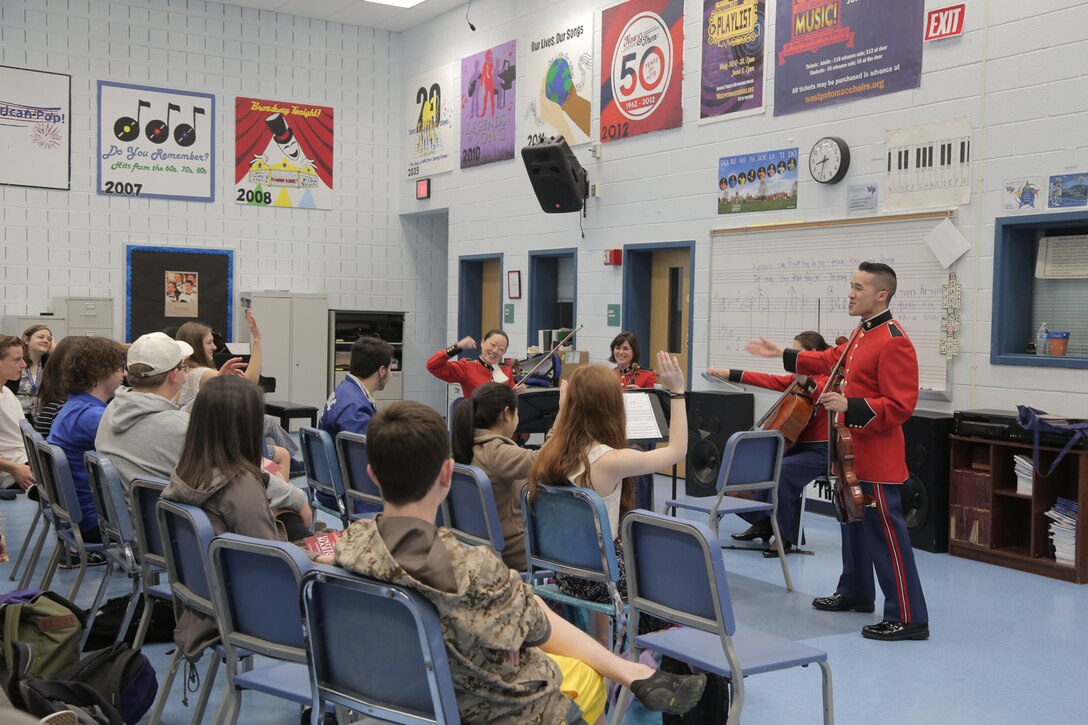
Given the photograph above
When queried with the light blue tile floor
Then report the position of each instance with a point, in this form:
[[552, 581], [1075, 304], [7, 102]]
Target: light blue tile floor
[[1006, 647]]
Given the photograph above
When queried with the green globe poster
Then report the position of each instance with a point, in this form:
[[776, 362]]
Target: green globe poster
[[557, 94]]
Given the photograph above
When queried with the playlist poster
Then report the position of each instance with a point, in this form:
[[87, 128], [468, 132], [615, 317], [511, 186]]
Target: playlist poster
[[35, 128], [833, 51], [283, 154], [488, 105], [734, 44], [432, 122], [642, 67], [156, 143], [557, 92]]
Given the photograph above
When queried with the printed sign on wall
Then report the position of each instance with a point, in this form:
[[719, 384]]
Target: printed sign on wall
[[35, 130], [557, 95], [488, 105], [762, 181], [734, 33], [283, 154], [833, 51], [432, 121], [642, 67], [155, 142]]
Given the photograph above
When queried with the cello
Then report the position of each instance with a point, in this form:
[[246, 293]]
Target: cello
[[850, 501], [789, 415]]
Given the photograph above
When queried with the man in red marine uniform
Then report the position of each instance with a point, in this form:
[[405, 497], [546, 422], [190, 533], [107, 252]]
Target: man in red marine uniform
[[878, 395]]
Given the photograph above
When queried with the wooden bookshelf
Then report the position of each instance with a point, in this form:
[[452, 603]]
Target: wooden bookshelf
[[990, 521]]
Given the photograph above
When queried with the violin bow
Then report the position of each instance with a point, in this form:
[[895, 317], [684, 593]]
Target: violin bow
[[552, 351]]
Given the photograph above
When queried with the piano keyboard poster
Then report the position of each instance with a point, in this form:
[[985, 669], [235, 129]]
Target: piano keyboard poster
[[928, 166], [833, 51], [155, 143], [283, 154]]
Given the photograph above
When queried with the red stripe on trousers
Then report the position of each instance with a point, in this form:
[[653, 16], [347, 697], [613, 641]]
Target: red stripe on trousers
[[893, 549]]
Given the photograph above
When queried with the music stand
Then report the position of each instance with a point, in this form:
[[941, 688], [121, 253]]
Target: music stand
[[653, 397], [537, 410]]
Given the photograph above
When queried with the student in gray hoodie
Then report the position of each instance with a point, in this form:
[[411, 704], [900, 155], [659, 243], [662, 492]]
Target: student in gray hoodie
[[142, 431]]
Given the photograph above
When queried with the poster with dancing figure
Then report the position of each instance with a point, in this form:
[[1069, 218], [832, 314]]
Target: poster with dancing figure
[[156, 143], [557, 93], [433, 120], [642, 67], [35, 128], [734, 45], [488, 105], [283, 154]]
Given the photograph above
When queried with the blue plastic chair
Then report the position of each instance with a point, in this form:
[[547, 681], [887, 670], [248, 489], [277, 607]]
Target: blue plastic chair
[[470, 511], [255, 590], [31, 439], [323, 472], [143, 498], [365, 497], [67, 514], [675, 572], [752, 462], [186, 535], [398, 672], [567, 531]]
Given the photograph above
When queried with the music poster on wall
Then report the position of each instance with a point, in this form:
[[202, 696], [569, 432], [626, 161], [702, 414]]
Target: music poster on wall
[[433, 120], [488, 105], [283, 154], [35, 128], [157, 143], [833, 51], [557, 98], [734, 46], [642, 67]]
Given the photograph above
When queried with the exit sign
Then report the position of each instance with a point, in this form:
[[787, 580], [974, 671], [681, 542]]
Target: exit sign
[[945, 22]]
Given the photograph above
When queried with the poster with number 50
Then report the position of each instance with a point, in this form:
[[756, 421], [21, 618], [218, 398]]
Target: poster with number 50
[[642, 67]]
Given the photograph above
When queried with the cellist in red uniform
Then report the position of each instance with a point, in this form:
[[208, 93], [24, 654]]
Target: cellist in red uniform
[[878, 395], [805, 460]]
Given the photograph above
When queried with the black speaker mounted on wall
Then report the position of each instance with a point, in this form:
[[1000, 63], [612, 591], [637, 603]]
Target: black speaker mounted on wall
[[560, 183], [925, 493], [712, 417]]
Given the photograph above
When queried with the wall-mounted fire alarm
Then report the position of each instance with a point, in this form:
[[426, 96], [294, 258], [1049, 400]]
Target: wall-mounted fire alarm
[[613, 257]]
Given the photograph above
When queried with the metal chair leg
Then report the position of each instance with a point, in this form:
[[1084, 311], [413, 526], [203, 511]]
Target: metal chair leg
[[206, 689], [35, 555], [130, 610], [98, 597], [164, 689], [781, 552], [26, 544], [51, 567]]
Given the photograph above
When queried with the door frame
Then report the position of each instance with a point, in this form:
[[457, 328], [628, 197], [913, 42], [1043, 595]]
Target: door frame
[[535, 290], [470, 306], [635, 316]]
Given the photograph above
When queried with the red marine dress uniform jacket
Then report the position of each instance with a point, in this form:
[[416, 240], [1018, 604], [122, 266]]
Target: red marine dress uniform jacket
[[641, 378], [816, 430], [471, 374], [881, 389]]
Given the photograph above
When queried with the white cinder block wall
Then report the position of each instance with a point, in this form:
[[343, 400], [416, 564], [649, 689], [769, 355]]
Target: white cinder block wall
[[72, 243], [1014, 73]]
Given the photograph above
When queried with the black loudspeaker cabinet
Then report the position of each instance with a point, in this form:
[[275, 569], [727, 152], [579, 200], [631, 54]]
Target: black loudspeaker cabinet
[[713, 416], [559, 181], [925, 493]]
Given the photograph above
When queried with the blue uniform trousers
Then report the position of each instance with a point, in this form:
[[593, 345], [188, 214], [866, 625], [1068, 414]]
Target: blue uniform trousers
[[801, 463], [880, 541]]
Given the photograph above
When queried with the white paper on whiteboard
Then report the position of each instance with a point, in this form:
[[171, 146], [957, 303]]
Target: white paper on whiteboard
[[946, 243], [641, 421]]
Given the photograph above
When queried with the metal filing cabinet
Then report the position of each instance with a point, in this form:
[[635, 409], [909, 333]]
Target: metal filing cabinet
[[87, 316], [15, 324]]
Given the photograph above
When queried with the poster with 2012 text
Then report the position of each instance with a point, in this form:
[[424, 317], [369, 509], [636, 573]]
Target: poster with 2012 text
[[642, 67], [833, 51], [155, 142], [488, 105], [283, 154]]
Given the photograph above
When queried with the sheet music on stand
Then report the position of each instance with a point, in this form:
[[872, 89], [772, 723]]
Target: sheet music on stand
[[646, 422]]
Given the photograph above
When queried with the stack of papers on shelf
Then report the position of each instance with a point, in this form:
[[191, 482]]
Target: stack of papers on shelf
[[1025, 474], [1063, 531]]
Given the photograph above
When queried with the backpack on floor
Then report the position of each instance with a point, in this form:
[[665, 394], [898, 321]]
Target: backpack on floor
[[41, 697], [713, 706], [107, 623], [48, 623]]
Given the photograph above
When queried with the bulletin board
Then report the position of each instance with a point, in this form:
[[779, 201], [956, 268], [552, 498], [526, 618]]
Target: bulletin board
[[167, 287], [777, 281]]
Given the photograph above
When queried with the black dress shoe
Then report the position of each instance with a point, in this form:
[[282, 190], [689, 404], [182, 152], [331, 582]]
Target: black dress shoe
[[772, 552], [836, 603], [761, 530], [892, 631]]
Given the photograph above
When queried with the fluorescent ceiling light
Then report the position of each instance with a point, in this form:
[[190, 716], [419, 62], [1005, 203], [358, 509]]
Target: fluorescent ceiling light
[[397, 3]]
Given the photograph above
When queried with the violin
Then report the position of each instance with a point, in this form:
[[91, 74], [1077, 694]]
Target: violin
[[850, 501], [627, 377]]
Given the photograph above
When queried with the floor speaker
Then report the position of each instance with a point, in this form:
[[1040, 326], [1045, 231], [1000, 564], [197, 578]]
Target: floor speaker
[[712, 417], [925, 493], [559, 181]]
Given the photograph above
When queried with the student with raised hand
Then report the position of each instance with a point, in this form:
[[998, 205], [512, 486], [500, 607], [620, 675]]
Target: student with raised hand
[[512, 659], [472, 373], [199, 337], [482, 435], [588, 447]]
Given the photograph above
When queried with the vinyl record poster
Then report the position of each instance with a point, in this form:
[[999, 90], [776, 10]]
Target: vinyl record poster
[[557, 75], [433, 120], [642, 67], [157, 143], [488, 105], [283, 154], [35, 128], [734, 44]]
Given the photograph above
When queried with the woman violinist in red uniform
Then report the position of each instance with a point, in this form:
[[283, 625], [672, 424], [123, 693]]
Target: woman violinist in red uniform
[[625, 355], [488, 368]]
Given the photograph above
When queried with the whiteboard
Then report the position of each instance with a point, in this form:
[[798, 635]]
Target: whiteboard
[[776, 282]]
